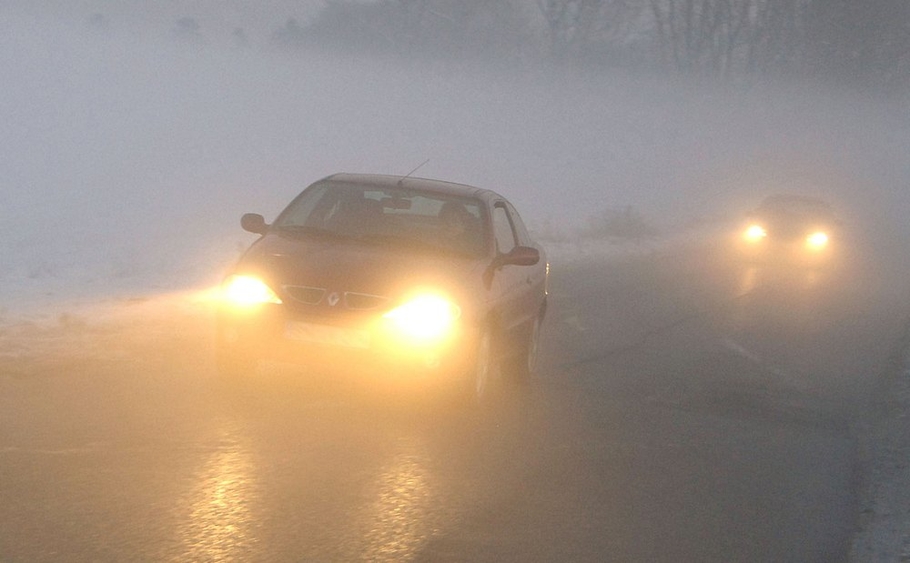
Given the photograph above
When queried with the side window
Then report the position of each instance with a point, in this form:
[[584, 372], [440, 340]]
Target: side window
[[502, 229], [309, 208], [524, 238]]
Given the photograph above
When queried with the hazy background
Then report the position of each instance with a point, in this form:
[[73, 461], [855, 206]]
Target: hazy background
[[135, 134]]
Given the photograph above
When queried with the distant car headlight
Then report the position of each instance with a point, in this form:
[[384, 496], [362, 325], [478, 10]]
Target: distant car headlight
[[755, 233], [246, 291], [424, 318], [817, 240]]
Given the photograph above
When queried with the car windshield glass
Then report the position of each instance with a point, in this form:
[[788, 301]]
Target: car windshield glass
[[795, 210], [384, 215], [796, 207]]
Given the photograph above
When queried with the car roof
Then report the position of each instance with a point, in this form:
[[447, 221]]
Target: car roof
[[410, 182], [792, 199]]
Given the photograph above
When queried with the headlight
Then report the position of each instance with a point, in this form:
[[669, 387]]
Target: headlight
[[755, 233], [424, 318], [246, 291], [817, 241]]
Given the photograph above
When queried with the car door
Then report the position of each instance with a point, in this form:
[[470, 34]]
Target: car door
[[518, 287], [534, 277]]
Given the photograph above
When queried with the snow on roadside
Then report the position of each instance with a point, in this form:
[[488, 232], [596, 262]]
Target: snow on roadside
[[884, 531], [63, 283]]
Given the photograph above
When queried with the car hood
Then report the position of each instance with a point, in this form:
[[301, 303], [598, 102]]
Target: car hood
[[338, 265], [792, 225]]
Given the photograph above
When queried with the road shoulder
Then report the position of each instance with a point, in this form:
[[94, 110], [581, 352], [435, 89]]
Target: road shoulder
[[884, 522]]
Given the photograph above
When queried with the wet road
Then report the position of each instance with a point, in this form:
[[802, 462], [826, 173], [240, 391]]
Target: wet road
[[687, 408]]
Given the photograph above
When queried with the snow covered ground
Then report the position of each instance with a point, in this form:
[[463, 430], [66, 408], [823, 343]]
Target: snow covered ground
[[126, 161]]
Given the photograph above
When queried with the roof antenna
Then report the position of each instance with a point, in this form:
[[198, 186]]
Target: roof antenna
[[403, 178]]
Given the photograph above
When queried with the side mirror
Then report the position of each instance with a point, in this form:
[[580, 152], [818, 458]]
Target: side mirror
[[520, 256], [254, 223]]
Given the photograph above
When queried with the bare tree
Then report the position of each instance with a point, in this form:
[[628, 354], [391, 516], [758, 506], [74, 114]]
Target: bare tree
[[289, 36], [862, 43], [777, 37], [187, 29], [577, 28], [703, 36], [424, 27]]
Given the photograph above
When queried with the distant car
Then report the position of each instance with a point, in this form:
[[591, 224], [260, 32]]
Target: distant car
[[396, 277], [792, 229]]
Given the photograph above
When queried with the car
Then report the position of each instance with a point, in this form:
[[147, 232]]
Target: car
[[791, 229], [391, 277]]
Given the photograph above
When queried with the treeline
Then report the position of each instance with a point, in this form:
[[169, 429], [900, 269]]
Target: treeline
[[860, 42], [863, 43]]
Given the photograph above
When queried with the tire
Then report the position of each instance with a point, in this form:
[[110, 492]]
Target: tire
[[479, 379], [523, 363]]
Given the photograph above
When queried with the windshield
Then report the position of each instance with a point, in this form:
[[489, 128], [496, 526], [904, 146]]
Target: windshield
[[387, 215], [796, 206]]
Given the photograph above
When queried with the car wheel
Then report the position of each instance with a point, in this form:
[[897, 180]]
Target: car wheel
[[523, 363], [478, 381]]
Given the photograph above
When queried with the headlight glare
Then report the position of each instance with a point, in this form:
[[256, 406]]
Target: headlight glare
[[817, 240], [246, 291], [424, 318], [755, 233]]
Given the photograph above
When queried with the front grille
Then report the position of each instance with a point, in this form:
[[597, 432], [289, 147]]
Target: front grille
[[363, 301], [308, 295], [352, 300]]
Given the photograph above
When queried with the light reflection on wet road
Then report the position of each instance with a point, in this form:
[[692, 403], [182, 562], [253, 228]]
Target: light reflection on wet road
[[682, 413], [400, 520], [219, 524]]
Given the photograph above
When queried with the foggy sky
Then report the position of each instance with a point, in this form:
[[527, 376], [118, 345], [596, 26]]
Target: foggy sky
[[126, 154], [216, 17]]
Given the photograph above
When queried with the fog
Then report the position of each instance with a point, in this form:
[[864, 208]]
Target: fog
[[127, 157], [680, 401]]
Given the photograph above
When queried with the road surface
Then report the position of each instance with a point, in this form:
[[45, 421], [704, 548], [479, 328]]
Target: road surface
[[688, 407]]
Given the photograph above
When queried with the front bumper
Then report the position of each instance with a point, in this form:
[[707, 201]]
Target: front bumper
[[787, 252], [364, 345]]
